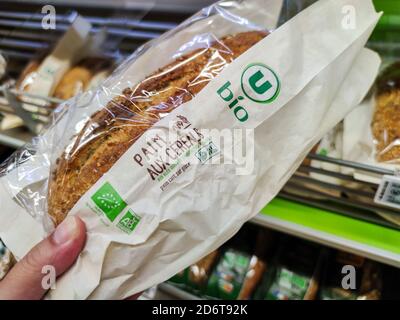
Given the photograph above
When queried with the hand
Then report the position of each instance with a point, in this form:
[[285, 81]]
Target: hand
[[60, 249]]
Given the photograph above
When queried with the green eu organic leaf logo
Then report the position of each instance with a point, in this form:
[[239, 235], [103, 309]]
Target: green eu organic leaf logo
[[260, 83], [129, 221], [109, 201]]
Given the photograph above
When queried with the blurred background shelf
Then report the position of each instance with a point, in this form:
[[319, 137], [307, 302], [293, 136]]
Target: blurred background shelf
[[334, 230], [15, 138]]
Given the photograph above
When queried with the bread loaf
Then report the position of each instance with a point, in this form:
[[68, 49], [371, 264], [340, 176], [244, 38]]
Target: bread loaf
[[78, 78], [386, 120], [115, 127]]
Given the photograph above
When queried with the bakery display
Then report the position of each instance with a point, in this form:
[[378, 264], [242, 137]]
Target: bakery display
[[79, 77], [28, 75], [386, 119], [83, 76]]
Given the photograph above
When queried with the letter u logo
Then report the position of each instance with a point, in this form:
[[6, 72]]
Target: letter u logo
[[258, 84]]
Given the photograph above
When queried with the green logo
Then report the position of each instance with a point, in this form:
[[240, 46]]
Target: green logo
[[109, 201], [129, 221], [207, 152], [260, 83]]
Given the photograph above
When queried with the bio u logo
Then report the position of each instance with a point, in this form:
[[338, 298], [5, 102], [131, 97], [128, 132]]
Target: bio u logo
[[259, 83]]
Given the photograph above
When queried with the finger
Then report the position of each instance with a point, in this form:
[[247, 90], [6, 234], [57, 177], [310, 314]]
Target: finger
[[59, 250]]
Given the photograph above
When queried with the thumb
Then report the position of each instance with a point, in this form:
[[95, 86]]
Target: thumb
[[59, 250]]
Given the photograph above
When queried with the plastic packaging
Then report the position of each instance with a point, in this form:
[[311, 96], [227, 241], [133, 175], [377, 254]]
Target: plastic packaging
[[367, 282], [199, 272], [201, 48], [296, 274], [149, 216], [370, 131], [230, 274], [386, 119]]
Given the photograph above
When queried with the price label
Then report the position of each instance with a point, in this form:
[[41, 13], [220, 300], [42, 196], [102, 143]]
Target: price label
[[388, 193]]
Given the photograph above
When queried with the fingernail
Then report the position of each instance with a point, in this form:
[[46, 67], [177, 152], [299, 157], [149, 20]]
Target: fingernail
[[65, 231]]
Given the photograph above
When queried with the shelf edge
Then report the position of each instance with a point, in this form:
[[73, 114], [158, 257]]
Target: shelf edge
[[328, 239]]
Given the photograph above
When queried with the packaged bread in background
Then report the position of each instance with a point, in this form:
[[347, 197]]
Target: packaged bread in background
[[386, 118], [85, 75], [195, 277], [242, 264], [79, 78], [296, 272], [259, 264], [73, 66], [350, 277], [42, 77], [28, 75], [229, 275], [200, 277], [199, 273], [255, 271], [371, 282], [371, 132]]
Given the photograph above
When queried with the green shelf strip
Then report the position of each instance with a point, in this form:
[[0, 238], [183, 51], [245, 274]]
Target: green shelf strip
[[390, 21], [335, 224], [388, 6]]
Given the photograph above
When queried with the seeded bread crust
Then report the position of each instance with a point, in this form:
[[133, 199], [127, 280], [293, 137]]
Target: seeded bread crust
[[113, 129], [386, 119]]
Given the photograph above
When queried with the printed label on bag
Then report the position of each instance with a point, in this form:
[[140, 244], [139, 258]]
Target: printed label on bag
[[388, 193], [207, 152], [129, 221], [109, 201], [260, 83], [109, 205]]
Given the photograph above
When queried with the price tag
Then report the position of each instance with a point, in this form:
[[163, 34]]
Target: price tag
[[388, 193]]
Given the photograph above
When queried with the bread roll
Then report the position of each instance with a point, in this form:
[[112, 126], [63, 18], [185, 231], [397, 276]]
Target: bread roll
[[114, 128], [78, 78], [386, 120]]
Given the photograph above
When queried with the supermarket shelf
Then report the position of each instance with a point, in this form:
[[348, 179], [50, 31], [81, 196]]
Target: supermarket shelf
[[333, 230], [176, 292], [15, 138]]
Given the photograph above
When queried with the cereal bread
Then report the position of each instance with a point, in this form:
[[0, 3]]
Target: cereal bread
[[114, 128]]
